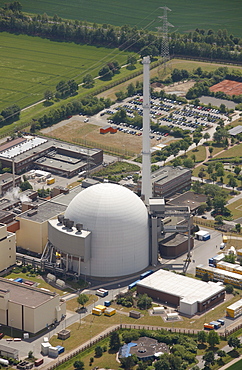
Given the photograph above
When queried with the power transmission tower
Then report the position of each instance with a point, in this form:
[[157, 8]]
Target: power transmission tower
[[165, 55]]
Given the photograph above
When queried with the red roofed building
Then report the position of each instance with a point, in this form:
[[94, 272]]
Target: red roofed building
[[108, 128]]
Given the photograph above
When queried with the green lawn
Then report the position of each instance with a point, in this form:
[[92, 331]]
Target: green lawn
[[236, 209], [235, 151], [206, 14], [31, 65], [199, 152], [236, 366]]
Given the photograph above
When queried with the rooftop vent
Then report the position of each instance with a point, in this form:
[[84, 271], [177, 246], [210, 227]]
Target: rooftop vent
[[60, 219], [69, 224], [79, 227], [65, 220], [32, 212]]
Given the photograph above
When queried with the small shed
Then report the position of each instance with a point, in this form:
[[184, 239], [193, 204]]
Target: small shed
[[134, 314], [108, 128], [64, 334], [202, 235]]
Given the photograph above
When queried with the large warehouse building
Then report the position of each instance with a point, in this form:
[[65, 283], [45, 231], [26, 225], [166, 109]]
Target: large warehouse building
[[188, 295]]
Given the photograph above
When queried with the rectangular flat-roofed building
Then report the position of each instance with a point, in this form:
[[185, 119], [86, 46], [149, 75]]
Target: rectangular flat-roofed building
[[168, 181], [187, 294], [27, 308]]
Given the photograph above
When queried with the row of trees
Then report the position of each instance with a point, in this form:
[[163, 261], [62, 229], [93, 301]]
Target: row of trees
[[63, 90], [9, 114], [88, 106], [212, 45]]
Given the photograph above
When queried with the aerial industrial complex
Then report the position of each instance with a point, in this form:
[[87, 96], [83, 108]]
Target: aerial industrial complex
[[102, 231]]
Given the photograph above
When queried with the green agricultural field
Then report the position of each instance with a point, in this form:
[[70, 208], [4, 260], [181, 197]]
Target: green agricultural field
[[31, 65], [236, 366], [185, 16]]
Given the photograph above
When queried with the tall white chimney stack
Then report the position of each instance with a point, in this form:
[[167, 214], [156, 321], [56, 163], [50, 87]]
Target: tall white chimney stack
[[146, 191]]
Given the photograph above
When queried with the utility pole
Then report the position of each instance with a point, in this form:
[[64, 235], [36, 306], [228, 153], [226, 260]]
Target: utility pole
[[165, 54]]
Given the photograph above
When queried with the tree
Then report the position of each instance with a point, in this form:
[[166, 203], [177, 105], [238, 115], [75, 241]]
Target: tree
[[213, 338], [214, 177], [188, 163], [30, 354], [202, 336], [114, 342], [201, 173], [234, 342], [79, 365], [238, 228], [131, 90], [219, 220], [88, 81], [232, 182], [132, 60], [82, 299], [209, 358], [229, 288], [210, 169], [237, 170], [25, 186], [128, 362], [206, 136], [98, 351], [202, 209], [144, 302], [210, 150], [48, 95]]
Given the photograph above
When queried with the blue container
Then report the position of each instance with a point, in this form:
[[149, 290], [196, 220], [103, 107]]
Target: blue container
[[107, 303], [18, 280], [60, 349], [221, 321], [216, 324]]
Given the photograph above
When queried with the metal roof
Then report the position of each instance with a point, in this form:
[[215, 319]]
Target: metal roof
[[235, 130], [188, 289]]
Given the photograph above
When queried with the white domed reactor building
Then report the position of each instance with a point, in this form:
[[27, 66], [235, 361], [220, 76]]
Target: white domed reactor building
[[103, 233]]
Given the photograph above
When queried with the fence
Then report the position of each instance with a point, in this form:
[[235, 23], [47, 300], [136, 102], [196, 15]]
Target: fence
[[106, 333]]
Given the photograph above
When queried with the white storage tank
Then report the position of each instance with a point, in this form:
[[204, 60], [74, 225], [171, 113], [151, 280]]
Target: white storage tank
[[61, 283], [53, 352], [158, 310], [51, 277], [172, 316]]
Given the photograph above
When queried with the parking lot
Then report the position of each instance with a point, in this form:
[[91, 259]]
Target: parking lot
[[164, 112]]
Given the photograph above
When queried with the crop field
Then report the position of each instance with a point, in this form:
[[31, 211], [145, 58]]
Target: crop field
[[31, 65], [185, 16]]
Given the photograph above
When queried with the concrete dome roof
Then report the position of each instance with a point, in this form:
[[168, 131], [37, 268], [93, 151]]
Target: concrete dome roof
[[118, 220]]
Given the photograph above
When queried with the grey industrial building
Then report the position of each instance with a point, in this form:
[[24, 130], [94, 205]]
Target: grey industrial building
[[7, 182], [49, 155], [168, 181]]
